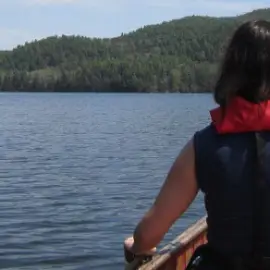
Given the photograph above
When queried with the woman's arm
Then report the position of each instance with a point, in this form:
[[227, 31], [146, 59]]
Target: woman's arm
[[177, 193]]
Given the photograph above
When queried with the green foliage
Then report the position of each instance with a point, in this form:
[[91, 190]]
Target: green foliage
[[177, 56]]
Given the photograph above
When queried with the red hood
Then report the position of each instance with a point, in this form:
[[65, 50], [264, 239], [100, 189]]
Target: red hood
[[242, 116]]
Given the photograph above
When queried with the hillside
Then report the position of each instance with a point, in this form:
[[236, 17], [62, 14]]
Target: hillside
[[176, 56]]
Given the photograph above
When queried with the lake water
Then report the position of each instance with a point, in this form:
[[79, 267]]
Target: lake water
[[79, 170]]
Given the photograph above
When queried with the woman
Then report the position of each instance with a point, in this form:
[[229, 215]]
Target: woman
[[222, 161]]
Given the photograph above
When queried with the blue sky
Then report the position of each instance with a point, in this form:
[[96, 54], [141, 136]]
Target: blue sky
[[25, 20]]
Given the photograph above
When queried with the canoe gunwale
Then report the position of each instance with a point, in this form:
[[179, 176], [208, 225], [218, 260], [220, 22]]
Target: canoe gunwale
[[177, 246]]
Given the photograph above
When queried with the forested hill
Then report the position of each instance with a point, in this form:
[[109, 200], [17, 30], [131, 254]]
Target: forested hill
[[176, 56]]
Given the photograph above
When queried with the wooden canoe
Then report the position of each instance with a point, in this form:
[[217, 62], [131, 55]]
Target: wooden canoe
[[177, 254]]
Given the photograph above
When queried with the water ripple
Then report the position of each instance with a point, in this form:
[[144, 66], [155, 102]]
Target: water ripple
[[78, 171]]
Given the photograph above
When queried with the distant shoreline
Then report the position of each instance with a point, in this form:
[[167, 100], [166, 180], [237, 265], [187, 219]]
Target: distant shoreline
[[181, 55]]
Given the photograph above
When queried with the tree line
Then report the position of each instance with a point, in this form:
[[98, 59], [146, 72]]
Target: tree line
[[177, 56]]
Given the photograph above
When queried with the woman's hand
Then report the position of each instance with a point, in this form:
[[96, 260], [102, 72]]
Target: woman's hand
[[128, 249]]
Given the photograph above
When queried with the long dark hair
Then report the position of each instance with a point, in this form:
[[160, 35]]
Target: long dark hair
[[245, 70]]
